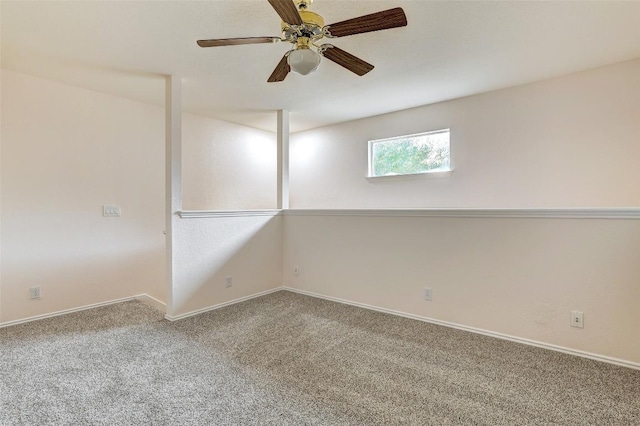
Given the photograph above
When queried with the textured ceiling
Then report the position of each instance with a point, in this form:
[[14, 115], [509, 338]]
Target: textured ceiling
[[448, 50]]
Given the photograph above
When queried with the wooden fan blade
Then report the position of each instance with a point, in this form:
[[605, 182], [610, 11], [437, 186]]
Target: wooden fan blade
[[281, 71], [384, 20], [347, 60], [216, 42], [287, 11]]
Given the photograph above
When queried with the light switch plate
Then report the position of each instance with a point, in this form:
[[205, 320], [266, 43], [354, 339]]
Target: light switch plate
[[111, 210]]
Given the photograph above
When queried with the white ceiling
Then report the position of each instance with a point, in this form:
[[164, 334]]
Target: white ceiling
[[448, 50]]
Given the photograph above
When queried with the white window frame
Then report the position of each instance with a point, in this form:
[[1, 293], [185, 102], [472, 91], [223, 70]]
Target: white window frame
[[428, 173]]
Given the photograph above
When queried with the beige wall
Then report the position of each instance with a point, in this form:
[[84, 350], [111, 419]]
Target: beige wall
[[65, 152], [568, 142], [571, 141], [226, 166], [247, 248], [517, 276]]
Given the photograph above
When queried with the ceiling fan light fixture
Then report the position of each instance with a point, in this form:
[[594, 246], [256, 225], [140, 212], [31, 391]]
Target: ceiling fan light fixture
[[303, 60]]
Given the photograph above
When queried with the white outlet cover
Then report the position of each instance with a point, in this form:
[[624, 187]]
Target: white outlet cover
[[577, 319], [427, 293], [34, 293]]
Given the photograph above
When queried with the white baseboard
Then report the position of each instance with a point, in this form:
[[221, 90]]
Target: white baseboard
[[220, 305], [153, 302], [160, 306], [72, 310], [583, 354]]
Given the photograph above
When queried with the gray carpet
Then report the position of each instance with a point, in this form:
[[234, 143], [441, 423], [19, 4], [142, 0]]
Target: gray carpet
[[287, 359]]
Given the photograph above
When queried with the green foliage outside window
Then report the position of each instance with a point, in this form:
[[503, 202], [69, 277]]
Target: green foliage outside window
[[422, 153]]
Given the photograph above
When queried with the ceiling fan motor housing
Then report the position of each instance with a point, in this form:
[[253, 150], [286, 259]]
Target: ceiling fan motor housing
[[311, 27]]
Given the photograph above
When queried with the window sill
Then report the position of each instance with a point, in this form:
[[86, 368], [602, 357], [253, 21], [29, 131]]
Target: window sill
[[427, 175]]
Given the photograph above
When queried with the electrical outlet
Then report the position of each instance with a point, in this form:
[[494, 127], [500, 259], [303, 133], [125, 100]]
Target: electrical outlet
[[34, 292], [577, 319], [229, 281], [296, 271], [427, 293]]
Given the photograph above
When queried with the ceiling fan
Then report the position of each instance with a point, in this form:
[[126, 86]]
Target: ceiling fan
[[304, 29]]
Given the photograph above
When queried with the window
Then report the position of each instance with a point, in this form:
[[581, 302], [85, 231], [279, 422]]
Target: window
[[409, 155]]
